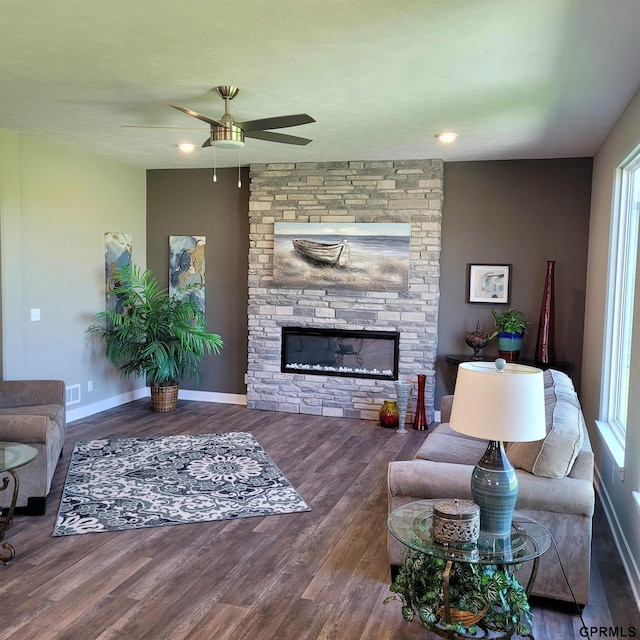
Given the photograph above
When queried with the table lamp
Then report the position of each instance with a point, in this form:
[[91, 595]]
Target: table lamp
[[501, 403]]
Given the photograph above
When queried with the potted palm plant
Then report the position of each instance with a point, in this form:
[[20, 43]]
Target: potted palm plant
[[154, 334], [510, 329]]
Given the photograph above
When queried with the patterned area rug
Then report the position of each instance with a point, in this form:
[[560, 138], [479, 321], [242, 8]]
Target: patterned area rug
[[130, 483]]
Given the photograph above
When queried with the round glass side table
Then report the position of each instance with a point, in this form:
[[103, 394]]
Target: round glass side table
[[12, 456], [412, 525]]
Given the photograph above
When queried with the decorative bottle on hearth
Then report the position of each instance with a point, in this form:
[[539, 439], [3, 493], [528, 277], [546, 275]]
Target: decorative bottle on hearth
[[420, 420]]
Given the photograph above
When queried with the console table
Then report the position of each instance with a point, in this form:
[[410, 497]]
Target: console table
[[454, 360], [12, 456], [412, 524]]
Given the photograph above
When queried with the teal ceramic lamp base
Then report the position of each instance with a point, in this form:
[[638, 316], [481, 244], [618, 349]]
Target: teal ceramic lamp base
[[494, 486]]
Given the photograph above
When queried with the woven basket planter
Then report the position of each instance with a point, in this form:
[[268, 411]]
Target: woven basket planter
[[164, 399], [467, 618]]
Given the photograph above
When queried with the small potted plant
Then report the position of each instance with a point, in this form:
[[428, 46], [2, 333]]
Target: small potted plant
[[154, 334], [485, 596], [510, 329]]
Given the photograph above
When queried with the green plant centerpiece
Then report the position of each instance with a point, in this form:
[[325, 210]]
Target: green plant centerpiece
[[152, 333], [509, 321], [510, 329], [485, 596]]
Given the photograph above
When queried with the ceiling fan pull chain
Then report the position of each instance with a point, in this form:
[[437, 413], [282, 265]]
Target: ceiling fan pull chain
[[215, 177], [239, 178]]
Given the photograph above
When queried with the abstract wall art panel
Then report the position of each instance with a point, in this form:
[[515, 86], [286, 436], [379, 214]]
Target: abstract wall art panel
[[186, 265], [117, 254]]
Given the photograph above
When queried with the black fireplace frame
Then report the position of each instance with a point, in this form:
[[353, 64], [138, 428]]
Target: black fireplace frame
[[392, 336]]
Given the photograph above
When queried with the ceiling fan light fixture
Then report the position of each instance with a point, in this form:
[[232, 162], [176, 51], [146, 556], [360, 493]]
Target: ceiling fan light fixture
[[447, 136], [230, 137]]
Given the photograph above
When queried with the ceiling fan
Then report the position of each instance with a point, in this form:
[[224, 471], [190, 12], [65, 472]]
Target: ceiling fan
[[229, 134]]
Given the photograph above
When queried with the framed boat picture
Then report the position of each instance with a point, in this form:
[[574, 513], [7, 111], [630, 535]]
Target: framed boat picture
[[351, 256]]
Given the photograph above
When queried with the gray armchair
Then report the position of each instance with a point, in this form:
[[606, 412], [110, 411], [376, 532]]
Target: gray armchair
[[33, 412]]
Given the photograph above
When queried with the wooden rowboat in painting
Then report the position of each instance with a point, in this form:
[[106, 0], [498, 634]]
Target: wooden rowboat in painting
[[324, 253]]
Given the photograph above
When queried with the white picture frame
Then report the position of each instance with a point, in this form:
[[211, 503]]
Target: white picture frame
[[489, 283]]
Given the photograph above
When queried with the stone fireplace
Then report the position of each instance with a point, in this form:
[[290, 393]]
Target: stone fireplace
[[374, 191]]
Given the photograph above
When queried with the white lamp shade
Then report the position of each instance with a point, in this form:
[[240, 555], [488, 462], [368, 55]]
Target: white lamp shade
[[505, 405]]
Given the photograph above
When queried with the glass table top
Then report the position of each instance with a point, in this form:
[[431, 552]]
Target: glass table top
[[15, 454], [412, 524]]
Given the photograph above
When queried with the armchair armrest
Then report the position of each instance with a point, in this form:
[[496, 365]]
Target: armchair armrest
[[24, 428]]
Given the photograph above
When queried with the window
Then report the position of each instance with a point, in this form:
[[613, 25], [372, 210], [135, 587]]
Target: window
[[620, 300]]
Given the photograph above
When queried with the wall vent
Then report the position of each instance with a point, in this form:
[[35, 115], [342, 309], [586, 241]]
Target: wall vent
[[73, 394]]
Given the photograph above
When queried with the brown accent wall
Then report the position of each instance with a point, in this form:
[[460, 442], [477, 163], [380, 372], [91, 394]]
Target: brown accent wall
[[523, 213], [188, 202]]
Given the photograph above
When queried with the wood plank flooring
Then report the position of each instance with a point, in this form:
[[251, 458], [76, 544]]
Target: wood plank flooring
[[321, 575]]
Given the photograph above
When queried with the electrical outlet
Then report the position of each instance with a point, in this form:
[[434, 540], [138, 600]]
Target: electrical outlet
[[35, 315]]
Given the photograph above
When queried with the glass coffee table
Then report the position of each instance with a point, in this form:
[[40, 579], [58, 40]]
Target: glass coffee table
[[12, 456], [412, 525]]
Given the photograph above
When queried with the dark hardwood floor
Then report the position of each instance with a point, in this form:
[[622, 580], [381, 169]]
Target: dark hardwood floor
[[318, 575]]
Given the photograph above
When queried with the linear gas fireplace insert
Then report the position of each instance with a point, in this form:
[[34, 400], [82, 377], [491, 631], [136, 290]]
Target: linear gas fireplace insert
[[340, 352]]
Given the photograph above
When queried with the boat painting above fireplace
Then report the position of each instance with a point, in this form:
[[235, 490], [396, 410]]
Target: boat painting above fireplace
[[340, 352], [349, 256]]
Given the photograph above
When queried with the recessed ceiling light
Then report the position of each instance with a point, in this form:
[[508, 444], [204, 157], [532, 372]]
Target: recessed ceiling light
[[186, 147], [447, 137]]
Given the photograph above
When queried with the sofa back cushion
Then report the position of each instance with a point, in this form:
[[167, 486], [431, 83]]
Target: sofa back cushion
[[553, 457], [446, 445]]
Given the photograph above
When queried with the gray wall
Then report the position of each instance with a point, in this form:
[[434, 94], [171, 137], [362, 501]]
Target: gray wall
[[56, 204], [618, 488], [523, 213], [187, 202]]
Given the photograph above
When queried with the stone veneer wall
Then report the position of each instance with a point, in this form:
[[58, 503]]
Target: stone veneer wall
[[370, 191]]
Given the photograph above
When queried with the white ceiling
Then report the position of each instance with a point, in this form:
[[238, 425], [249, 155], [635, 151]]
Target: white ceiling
[[514, 78]]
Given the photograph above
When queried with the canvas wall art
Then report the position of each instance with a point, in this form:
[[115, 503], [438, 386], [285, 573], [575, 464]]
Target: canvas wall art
[[356, 256], [489, 283], [187, 265], [117, 254]]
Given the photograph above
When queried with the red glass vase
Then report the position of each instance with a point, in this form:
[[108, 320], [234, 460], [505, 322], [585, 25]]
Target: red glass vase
[[545, 344], [420, 420]]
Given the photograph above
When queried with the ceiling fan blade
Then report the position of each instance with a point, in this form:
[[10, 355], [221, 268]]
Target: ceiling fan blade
[[207, 142], [195, 114], [277, 122], [150, 126], [271, 136]]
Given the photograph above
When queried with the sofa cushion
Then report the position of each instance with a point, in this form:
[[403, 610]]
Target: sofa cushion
[[554, 378], [553, 456], [446, 445]]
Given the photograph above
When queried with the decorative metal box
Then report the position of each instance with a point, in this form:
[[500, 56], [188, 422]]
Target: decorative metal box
[[456, 521]]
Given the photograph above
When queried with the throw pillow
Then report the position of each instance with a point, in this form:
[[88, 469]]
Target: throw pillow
[[553, 457]]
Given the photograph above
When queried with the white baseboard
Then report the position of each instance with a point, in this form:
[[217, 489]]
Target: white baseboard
[[104, 405], [628, 561], [143, 392]]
